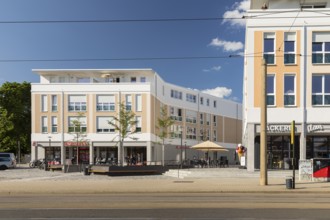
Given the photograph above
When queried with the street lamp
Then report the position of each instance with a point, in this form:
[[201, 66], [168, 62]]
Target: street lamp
[[181, 131], [185, 150], [49, 145]]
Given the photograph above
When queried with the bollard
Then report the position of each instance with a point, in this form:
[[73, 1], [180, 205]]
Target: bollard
[[289, 182], [86, 171]]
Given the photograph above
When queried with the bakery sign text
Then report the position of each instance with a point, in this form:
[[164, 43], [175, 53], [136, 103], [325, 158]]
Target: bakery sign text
[[278, 128], [313, 128]]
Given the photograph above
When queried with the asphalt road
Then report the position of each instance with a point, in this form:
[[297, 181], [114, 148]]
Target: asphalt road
[[167, 206]]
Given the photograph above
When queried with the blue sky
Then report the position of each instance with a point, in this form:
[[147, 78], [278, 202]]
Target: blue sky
[[98, 40]]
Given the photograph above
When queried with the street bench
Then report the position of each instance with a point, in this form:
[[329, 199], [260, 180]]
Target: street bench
[[53, 167]]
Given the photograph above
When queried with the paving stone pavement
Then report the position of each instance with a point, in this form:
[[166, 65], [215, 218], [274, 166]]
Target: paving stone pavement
[[24, 180]]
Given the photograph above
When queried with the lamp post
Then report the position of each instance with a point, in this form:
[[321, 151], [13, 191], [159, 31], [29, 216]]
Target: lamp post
[[49, 145], [181, 147], [185, 150]]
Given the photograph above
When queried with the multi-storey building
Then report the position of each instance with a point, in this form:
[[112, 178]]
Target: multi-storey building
[[92, 96], [293, 37]]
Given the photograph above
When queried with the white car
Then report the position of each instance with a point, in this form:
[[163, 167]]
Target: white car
[[7, 160]]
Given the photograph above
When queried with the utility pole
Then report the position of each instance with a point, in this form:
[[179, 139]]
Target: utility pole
[[263, 126]]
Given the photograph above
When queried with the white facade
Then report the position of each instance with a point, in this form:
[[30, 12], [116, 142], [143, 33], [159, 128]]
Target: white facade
[[60, 92]]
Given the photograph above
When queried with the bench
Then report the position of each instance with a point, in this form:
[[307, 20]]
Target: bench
[[53, 167]]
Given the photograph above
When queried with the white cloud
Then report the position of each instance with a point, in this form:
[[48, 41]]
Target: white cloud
[[218, 92], [237, 11], [228, 46], [213, 69]]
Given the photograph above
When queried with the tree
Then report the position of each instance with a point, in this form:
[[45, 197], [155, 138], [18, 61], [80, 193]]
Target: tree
[[15, 117], [124, 123], [78, 131], [164, 122]]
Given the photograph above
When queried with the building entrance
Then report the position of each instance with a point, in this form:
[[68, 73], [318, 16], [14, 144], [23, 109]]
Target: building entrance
[[136, 155], [279, 152]]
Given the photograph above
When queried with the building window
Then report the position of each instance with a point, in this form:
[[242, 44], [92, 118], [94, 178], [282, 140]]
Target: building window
[[105, 103], [321, 90], [214, 104], [176, 114], [44, 127], [128, 102], [207, 102], [271, 90], [138, 103], [319, 5], [77, 103], [191, 117], [321, 47], [289, 48], [83, 80], [61, 79], [191, 133], [214, 120], [289, 90], [138, 126], [208, 119], [103, 125], [143, 79], [201, 118], [77, 124], [44, 103], [176, 94], [214, 135], [269, 48], [202, 100], [190, 98], [54, 124], [133, 79], [54, 103]]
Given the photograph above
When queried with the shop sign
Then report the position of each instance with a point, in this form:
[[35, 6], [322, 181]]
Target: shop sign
[[182, 147], [278, 128], [313, 128], [75, 144]]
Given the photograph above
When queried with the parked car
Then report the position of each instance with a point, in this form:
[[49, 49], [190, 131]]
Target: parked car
[[7, 160]]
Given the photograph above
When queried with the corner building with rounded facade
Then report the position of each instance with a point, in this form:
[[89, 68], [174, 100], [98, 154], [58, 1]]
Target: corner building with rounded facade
[[92, 97]]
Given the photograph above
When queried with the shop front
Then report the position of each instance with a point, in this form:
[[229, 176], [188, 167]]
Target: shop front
[[280, 152], [318, 141]]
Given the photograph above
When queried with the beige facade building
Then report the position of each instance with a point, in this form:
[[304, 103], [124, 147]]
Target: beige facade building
[[293, 37], [92, 96]]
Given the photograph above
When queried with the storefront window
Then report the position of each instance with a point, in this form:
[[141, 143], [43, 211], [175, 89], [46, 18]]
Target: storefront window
[[279, 152], [52, 153], [318, 147]]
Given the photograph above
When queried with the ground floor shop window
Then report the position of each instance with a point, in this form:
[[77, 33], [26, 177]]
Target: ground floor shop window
[[318, 147], [279, 152], [52, 153], [106, 155], [135, 155]]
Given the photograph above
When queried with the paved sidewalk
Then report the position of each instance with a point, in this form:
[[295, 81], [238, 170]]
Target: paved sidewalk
[[217, 180]]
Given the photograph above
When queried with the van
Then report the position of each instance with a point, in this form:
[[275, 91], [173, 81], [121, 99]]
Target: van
[[7, 160]]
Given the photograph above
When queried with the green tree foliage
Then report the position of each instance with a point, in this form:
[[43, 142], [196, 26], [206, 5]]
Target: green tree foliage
[[15, 117], [164, 122], [125, 124]]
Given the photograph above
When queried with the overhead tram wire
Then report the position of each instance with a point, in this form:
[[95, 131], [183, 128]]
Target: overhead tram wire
[[118, 59], [251, 55], [117, 20], [260, 16]]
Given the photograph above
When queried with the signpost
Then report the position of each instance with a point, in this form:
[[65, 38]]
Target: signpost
[[293, 132]]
